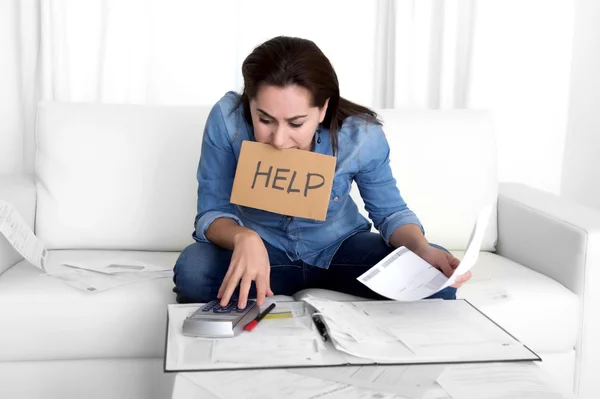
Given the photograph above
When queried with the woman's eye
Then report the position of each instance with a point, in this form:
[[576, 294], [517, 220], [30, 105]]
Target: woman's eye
[[265, 121], [296, 125]]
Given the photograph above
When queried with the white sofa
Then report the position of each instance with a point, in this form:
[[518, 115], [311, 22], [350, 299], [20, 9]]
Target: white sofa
[[122, 178]]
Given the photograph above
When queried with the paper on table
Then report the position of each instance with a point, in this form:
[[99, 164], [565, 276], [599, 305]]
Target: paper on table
[[352, 331], [271, 342], [91, 281], [432, 328], [497, 381], [409, 381], [350, 320], [268, 350], [276, 384], [404, 276], [20, 236]]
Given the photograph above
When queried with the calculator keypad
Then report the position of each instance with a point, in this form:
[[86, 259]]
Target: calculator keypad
[[215, 307]]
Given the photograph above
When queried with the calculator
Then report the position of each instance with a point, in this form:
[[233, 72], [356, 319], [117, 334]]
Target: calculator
[[212, 320]]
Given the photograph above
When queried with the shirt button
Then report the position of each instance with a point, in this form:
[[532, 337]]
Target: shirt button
[[336, 199]]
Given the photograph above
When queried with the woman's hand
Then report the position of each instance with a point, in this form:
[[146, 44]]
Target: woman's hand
[[443, 261], [249, 262]]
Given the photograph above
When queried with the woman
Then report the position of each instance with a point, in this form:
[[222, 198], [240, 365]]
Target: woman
[[291, 99]]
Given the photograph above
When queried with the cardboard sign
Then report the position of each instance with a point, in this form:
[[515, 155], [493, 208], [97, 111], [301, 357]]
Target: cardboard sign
[[289, 182]]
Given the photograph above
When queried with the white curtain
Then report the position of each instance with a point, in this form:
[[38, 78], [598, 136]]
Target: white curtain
[[424, 53], [387, 53]]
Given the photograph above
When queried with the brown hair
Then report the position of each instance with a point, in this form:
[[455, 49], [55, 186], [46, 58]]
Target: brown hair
[[283, 61]]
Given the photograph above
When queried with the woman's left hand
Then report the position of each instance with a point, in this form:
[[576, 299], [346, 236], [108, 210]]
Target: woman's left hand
[[443, 261]]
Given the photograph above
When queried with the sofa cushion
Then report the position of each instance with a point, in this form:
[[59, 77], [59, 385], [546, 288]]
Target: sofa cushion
[[533, 308], [45, 319], [117, 176], [445, 166]]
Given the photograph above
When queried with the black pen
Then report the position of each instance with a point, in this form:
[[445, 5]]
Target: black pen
[[320, 327]]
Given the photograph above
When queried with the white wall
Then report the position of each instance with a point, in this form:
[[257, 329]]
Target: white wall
[[581, 173], [521, 67]]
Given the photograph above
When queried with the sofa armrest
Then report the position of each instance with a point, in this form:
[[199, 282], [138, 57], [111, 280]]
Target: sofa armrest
[[560, 239], [19, 191]]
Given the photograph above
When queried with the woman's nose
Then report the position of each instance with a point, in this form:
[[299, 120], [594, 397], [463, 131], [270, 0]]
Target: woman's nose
[[278, 139]]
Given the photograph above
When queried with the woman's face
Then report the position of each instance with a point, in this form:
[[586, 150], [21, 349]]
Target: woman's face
[[284, 118]]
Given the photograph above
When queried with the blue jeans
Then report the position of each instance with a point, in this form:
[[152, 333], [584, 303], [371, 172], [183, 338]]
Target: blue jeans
[[201, 267]]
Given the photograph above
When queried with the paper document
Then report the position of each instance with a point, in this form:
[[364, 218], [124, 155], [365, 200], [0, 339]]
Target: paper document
[[498, 381], [390, 331], [116, 266], [432, 327], [247, 349], [408, 381], [349, 319], [91, 281], [21, 237], [277, 384], [404, 276]]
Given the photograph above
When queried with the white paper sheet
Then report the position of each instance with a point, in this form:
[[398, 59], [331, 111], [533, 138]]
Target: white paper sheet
[[21, 237], [116, 266], [90, 281], [408, 381], [474, 245], [430, 327], [271, 342], [351, 320], [277, 384], [247, 349], [404, 276], [497, 381], [424, 330]]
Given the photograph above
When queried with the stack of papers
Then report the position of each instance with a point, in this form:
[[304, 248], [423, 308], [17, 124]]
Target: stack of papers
[[416, 332], [481, 381]]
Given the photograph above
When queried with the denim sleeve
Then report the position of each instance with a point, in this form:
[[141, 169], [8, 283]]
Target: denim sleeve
[[216, 171], [386, 207]]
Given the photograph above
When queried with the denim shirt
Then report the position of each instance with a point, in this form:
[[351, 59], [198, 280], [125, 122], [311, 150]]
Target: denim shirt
[[362, 157]]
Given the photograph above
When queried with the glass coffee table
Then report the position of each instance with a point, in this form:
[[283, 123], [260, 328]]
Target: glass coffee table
[[505, 380]]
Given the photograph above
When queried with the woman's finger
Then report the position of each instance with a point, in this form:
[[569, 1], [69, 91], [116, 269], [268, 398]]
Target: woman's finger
[[224, 283], [230, 287], [445, 267], [460, 280], [463, 278], [261, 289], [268, 282], [244, 290], [452, 260]]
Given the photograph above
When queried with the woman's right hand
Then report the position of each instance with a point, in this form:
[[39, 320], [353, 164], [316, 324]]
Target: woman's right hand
[[249, 262]]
